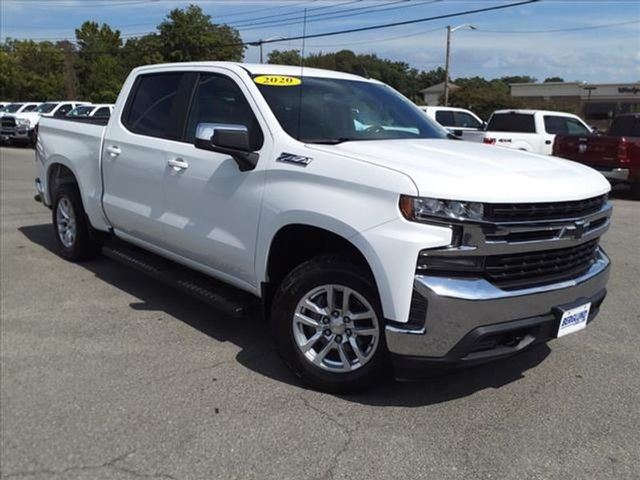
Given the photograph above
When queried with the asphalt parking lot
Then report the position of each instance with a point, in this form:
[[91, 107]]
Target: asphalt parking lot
[[106, 374]]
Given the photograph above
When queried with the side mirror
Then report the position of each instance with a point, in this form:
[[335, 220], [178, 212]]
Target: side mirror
[[457, 133], [227, 138], [483, 126]]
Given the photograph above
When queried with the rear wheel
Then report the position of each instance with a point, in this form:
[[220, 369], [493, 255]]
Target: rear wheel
[[635, 190], [329, 325], [71, 228]]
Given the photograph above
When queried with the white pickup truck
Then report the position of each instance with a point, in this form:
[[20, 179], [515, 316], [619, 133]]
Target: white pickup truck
[[458, 121], [367, 236], [532, 130]]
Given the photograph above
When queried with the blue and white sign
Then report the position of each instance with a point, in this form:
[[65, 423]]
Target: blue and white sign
[[574, 320]]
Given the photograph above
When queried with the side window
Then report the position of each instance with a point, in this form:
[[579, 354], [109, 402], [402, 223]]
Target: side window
[[555, 125], [574, 127], [218, 99], [463, 119], [149, 110], [63, 110], [30, 108], [512, 122], [102, 112], [445, 118]]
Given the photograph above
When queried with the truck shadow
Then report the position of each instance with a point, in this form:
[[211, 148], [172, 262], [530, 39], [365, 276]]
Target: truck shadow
[[257, 353]]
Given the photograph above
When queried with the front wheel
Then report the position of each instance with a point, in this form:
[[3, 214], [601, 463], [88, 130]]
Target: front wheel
[[329, 325]]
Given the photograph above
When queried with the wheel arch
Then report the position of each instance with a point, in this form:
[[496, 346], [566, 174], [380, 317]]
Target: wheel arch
[[295, 243]]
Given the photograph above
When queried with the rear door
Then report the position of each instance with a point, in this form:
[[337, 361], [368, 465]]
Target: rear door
[[211, 208], [135, 154], [560, 125]]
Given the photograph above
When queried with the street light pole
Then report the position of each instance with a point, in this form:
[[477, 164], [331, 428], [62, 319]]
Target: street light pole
[[450, 30], [261, 42], [446, 67]]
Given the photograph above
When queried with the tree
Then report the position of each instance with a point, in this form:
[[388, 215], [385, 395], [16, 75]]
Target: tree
[[553, 79], [189, 35], [31, 70], [482, 96], [519, 79], [144, 50], [100, 69], [285, 57]]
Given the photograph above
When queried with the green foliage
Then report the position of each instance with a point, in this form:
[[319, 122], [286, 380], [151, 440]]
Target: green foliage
[[553, 79], [482, 96], [31, 70], [189, 35], [399, 75], [100, 71], [96, 68], [285, 57]]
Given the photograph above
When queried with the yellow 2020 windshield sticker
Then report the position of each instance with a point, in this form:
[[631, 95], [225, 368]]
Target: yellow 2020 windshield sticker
[[277, 80]]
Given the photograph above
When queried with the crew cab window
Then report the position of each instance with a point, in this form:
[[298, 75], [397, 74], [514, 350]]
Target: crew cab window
[[512, 122], [63, 110], [102, 112], [464, 120], [557, 125], [445, 118], [149, 109], [30, 108], [218, 99]]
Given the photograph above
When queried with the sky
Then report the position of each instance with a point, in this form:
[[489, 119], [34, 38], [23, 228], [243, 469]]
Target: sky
[[597, 41]]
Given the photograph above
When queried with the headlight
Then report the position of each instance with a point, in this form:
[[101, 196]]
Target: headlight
[[422, 209], [23, 122]]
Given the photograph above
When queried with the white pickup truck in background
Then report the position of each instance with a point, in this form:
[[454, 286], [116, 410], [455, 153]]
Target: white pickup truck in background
[[366, 235], [532, 130], [21, 127], [457, 121]]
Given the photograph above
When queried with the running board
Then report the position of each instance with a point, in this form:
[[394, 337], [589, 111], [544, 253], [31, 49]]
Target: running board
[[223, 297]]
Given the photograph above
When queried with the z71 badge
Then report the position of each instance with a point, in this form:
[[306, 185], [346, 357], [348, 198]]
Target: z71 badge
[[295, 159]]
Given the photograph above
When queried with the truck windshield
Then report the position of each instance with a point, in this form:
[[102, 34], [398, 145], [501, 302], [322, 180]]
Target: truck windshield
[[45, 108], [331, 111], [12, 108]]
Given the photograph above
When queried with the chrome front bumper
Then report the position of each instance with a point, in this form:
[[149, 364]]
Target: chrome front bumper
[[458, 306], [618, 174]]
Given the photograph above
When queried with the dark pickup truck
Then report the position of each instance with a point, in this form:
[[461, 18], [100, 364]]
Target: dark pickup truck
[[616, 155]]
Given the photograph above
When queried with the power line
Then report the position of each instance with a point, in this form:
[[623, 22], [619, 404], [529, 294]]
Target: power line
[[558, 30], [367, 28]]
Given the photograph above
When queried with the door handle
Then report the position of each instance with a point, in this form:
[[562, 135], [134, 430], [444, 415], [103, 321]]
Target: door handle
[[113, 150], [178, 164], [548, 142]]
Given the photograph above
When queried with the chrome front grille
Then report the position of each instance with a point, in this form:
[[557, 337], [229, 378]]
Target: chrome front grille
[[525, 212], [521, 254], [8, 122], [511, 271]]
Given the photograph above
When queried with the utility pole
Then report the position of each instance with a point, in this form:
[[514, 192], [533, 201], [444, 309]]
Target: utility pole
[[446, 67], [450, 30]]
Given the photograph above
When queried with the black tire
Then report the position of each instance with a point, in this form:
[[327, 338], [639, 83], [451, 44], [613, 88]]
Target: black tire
[[635, 190], [85, 244], [323, 270]]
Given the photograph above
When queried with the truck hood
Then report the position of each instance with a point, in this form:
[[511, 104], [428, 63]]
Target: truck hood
[[459, 170], [33, 117]]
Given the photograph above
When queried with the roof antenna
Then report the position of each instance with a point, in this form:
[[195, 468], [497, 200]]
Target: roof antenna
[[304, 34]]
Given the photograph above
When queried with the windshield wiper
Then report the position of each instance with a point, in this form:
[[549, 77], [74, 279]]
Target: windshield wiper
[[327, 141]]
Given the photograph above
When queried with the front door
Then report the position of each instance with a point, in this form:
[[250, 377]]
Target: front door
[[211, 208]]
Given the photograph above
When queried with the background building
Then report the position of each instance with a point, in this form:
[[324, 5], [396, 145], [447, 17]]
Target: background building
[[432, 94], [597, 103]]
